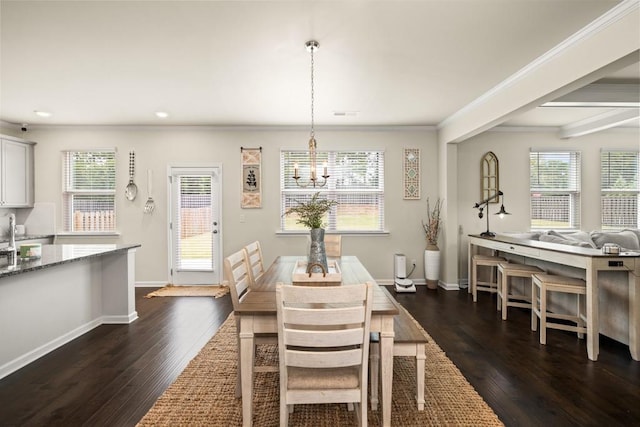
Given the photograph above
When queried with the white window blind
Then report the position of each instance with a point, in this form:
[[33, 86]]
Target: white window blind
[[88, 191], [356, 182], [194, 223], [555, 189], [620, 187]]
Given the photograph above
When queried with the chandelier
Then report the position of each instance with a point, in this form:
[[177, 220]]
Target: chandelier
[[314, 181]]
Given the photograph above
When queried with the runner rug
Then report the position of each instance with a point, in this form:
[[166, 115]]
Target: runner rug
[[204, 394], [215, 291]]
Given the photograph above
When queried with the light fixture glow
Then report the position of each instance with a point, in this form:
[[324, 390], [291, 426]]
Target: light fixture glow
[[42, 113], [162, 114]]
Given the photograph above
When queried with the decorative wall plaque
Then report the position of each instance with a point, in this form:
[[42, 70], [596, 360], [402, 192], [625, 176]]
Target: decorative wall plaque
[[489, 177], [251, 178], [411, 173]]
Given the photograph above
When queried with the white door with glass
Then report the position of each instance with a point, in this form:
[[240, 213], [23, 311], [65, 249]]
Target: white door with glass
[[194, 228]]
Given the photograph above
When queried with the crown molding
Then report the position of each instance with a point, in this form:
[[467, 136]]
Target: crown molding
[[549, 76], [599, 122], [244, 128], [615, 14]]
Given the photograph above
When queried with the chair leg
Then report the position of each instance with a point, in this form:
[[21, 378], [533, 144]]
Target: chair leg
[[580, 322], [474, 281], [494, 277], [420, 362], [362, 411], [534, 306], [284, 412], [504, 285], [499, 294], [543, 315], [238, 380], [374, 372]]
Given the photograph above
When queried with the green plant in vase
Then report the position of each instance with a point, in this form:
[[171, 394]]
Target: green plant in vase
[[311, 214]]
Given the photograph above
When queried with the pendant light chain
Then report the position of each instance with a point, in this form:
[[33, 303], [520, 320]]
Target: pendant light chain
[[314, 178], [312, 92]]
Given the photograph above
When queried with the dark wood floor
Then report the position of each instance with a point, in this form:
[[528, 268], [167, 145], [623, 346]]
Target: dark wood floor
[[113, 374]]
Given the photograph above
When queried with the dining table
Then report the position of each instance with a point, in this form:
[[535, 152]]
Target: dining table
[[257, 315]]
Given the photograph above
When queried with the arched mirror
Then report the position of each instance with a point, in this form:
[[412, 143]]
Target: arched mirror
[[489, 176]]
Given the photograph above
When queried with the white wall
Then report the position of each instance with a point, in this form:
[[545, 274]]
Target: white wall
[[512, 150], [156, 147]]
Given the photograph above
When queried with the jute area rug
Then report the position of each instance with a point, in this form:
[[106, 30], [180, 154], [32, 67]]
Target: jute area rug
[[204, 394], [215, 291]]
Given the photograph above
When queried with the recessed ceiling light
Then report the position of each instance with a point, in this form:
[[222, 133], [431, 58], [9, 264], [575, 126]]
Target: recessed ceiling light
[[345, 113], [162, 114], [42, 113]]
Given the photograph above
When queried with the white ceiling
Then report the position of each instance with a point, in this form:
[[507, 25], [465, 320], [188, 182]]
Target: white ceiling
[[232, 63]]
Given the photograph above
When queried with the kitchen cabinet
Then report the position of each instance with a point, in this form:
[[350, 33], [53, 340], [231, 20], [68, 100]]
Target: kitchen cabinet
[[16, 173]]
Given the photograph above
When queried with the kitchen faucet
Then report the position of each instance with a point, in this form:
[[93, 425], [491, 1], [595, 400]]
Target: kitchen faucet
[[11, 251], [12, 231]]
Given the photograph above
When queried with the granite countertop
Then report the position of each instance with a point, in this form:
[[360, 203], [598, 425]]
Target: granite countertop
[[5, 239], [53, 255]]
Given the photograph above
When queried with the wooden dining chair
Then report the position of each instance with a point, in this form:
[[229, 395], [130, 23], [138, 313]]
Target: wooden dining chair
[[323, 341], [236, 272], [253, 252]]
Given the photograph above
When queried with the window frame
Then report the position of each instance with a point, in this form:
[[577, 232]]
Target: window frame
[[572, 190], [330, 190], [69, 192], [608, 191]]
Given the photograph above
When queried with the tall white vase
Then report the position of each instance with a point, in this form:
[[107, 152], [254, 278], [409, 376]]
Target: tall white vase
[[432, 266]]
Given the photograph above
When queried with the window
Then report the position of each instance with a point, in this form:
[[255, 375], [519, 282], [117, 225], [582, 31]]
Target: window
[[356, 183], [88, 191], [620, 188], [555, 189]]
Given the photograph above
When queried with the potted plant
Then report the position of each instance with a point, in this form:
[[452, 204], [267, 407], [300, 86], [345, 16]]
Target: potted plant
[[432, 252], [311, 214]]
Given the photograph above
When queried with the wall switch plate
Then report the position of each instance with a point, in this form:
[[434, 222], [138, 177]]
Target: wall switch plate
[[242, 218]]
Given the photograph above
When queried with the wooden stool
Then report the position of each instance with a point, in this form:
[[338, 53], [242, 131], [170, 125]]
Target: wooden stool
[[483, 261], [505, 297], [543, 283]]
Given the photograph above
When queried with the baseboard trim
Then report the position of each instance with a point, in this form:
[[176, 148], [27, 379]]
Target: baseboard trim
[[119, 320], [22, 361], [151, 284]]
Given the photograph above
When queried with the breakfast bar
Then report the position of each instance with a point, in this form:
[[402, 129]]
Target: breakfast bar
[[592, 262], [67, 291]]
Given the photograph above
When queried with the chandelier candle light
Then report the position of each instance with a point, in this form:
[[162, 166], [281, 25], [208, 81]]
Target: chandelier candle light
[[312, 46]]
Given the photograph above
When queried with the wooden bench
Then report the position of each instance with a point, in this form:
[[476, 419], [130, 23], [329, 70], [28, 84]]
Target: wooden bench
[[409, 340]]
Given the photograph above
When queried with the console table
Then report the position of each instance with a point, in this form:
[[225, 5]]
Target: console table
[[592, 261]]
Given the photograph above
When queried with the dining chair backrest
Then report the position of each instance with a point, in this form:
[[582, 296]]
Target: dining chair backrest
[[255, 262], [333, 245], [323, 344], [236, 273]]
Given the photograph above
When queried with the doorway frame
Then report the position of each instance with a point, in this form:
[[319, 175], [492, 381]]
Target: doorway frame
[[194, 165]]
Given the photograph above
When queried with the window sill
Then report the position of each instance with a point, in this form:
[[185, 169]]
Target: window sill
[[343, 233], [88, 234]]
